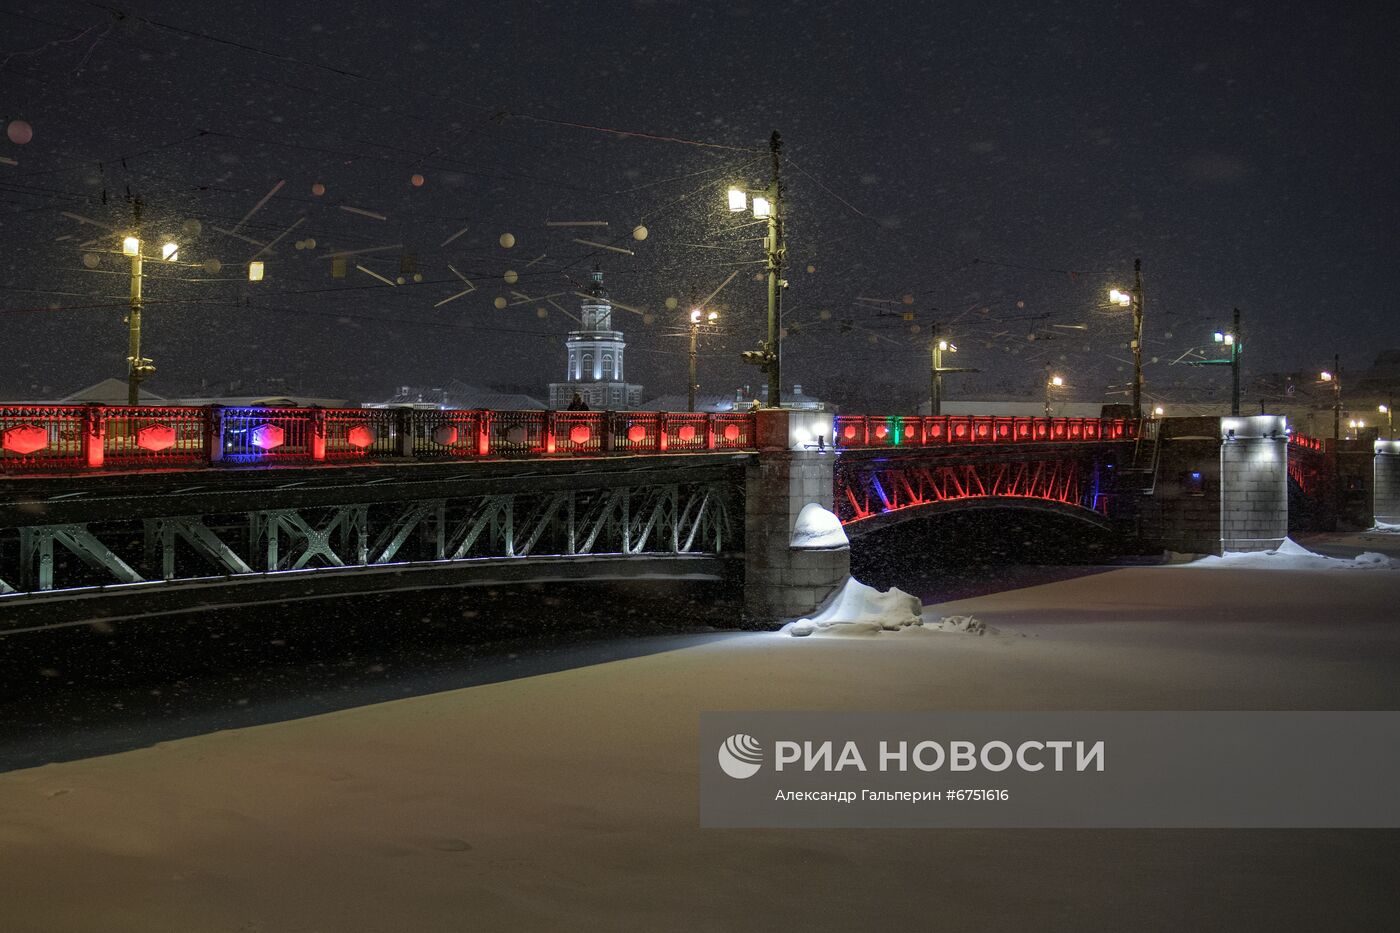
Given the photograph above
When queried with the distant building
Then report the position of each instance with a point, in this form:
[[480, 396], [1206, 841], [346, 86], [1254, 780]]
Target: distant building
[[595, 358], [794, 398], [459, 395], [712, 403]]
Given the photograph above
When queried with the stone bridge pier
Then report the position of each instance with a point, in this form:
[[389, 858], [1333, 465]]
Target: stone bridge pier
[[1386, 482], [787, 574]]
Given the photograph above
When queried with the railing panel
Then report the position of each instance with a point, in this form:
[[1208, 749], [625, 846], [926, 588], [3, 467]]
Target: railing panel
[[39, 437], [684, 431], [850, 430], [267, 435], [153, 436], [636, 431], [578, 432], [450, 433], [361, 433], [518, 433], [736, 432]]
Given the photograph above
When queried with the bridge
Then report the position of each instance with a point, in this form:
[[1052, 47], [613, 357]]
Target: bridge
[[125, 512]]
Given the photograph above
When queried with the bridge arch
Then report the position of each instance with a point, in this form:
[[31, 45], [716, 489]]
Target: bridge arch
[[860, 527]]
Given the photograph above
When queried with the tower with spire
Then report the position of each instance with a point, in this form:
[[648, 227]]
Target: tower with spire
[[595, 358]]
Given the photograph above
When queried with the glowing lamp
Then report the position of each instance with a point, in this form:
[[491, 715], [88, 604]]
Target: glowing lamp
[[255, 271], [738, 201], [131, 246], [686, 434], [170, 251], [1056, 381], [849, 432], [361, 436], [712, 316], [579, 434], [1120, 297], [942, 344], [1219, 337], [731, 432], [1383, 409], [1325, 376], [1159, 410], [25, 439], [695, 316], [268, 436], [156, 437], [761, 207], [636, 434]]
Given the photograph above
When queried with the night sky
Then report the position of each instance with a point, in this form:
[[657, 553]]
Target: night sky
[[994, 167]]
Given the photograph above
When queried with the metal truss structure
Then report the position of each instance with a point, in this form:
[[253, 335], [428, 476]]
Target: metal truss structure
[[869, 488], [648, 519]]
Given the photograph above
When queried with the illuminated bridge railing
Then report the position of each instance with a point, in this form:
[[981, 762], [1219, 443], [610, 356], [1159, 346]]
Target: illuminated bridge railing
[[1303, 442], [54, 438], [936, 431]]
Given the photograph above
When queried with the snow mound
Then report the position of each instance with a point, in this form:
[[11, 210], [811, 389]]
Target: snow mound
[[970, 625], [858, 609], [818, 528], [1290, 555], [1384, 528]]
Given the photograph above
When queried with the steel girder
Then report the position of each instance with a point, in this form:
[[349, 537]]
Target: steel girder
[[868, 488], [674, 518]]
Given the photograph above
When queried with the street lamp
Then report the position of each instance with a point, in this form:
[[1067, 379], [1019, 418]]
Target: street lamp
[[1158, 411], [1334, 376], [939, 346], [1133, 300], [1389, 413], [766, 207], [1233, 341], [1051, 382], [697, 317]]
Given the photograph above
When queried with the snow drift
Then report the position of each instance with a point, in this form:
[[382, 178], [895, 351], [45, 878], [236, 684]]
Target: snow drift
[[1293, 556], [858, 609]]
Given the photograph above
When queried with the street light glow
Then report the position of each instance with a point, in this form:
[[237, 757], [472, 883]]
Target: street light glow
[[738, 201], [1056, 381], [1159, 410], [1120, 297], [1229, 340], [1383, 409], [713, 316], [1325, 376], [761, 207], [942, 344], [170, 251], [255, 271], [1219, 337], [695, 315], [131, 246]]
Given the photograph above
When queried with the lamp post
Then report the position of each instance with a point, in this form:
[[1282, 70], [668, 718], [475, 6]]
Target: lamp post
[[1334, 376], [1235, 343], [1389, 411], [766, 205], [1134, 300], [1051, 382], [697, 317], [937, 348]]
